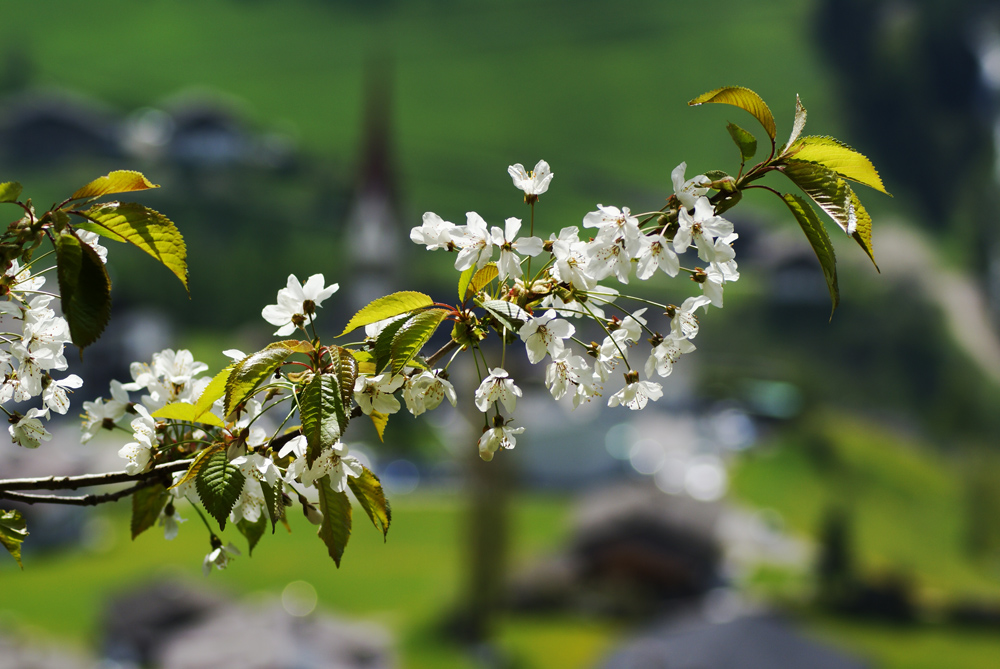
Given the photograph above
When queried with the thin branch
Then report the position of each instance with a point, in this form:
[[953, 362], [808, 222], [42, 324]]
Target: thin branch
[[441, 352], [87, 480], [83, 500]]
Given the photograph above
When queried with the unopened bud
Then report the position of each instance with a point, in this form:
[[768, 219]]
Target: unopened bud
[[631, 376], [656, 340], [699, 275]]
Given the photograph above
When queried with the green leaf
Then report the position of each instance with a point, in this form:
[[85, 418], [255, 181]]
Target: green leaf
[[862, 232], [321, 408], [187, 412], [147, 503], [119, 181], [345, 369], [219, 485], [380, 421], [413, 335], [799, 125], [831, 192], [85, 289], [150, 230], [509, 314], [387, 307], [215, 389], [716, 175], [482, 278], [13, 531], [820, 242], [366, 361], [745, 142], [383, 343], [743, 98], [249, 372], [836, 156], [335, 529], [198, 464], [274, 502], [368, 490], [10, 191], [463, 281], [252, 531]]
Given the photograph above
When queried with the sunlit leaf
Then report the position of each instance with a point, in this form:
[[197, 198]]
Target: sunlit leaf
[[150, 230], [84, 287], [336, 527], [745, 142], [198, 464], [323, 416], [387, 307], [368, 490], [413, 335], [10, 191], [743, 98], [249, 372], [800, 122], [383, 343], [219, 485], [834, 196], [252, 531], [380, 421], [481, 279], [120, 181], [147, 503], [463, 281], [820, 242], [836, 156], [215, 389], [187, 412], [13, 532]]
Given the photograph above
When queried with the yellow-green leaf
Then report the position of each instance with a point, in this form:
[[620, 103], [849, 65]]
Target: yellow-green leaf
[[413, 335], [862, 229], [820, 242], [10, 191], [13, 531], [119, 181], [335, 530], [838, 157], [463, 281], [743, 98], [368, 490], [215, 389], [380, 421], [188, 413], [150, 230], [249, 372], [386, 307], [366, 361], [481, 279]]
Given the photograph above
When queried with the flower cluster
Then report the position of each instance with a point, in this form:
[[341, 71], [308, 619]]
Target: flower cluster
[[33, 354], [569, 287]]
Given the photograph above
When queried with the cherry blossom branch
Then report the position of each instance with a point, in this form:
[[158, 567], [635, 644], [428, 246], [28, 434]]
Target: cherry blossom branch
[[84, 500], [88, 480]]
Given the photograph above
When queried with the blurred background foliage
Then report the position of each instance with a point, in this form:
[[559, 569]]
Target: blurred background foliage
[[267, 123]]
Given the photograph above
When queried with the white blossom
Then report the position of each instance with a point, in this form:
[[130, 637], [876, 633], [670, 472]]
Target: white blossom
[[296, 302], [663, 356], [685, 324], [435, 232], [509, 263], [564, 372], [425, 391], [28, 430], [689, 191], [636, 394], [54, 395], [496, 438], [139, 452], [219, 557], [497, 386], [375, 393], [474, 241], [545, 334], [533, 183]]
